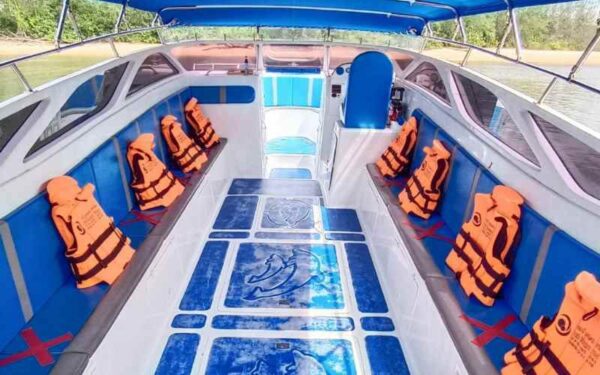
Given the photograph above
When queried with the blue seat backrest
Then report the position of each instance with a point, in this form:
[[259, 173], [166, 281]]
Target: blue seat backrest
[[268, 93], [290, 91], [11, 315], [176, 108], [425, 135], [565, 259], [368, 92], [39, 248], [109, 184], [532, 229], [458, 187]]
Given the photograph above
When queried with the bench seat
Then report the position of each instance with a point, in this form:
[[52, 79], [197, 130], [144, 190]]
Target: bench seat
[[40, 293], [545, 257]]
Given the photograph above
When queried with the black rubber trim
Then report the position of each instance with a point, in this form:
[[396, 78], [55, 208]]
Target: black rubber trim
[[475, 358], [76, 356]]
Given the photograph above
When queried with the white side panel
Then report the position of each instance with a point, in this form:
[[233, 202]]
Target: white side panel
[[422, 331], [296, 122], [355, 149], [136, 329]]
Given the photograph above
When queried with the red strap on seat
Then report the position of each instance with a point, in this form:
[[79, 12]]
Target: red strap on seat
[[185, 180], [428, 232], [401, 183], [36, 348], [152, 218], [491, 332]]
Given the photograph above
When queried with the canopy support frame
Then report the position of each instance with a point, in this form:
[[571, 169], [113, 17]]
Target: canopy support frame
[[577, 66], [65, 12], [121, 16]]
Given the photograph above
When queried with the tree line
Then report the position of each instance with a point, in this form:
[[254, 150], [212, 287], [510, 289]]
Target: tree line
[[567, 26]]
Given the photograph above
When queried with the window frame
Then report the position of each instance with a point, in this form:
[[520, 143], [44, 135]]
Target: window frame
[[31, 108], [80, 121], [171, 64], [417, 64], [563, 169], [482, 128]]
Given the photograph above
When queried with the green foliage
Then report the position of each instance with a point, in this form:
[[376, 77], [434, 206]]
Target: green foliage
[[37, 19]]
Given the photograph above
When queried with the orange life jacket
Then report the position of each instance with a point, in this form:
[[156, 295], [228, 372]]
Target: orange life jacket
[[186, 154], [153, 184], [397, 156], [569, 343], [481, 256], [96, 250], [423, 189], [204, 134]]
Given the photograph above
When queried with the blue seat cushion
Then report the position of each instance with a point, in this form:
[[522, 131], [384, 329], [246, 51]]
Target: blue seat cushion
[[60, 318]]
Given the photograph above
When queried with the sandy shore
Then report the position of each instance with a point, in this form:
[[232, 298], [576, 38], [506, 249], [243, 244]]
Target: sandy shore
[[12, 48], [538, 57]]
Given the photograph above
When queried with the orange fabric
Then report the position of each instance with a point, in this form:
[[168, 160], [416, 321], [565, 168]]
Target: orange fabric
[[186, 154], [398, 155], [423, 190], [153, 184], [96, 250], [567, 344], [480, 258], [204, 134]]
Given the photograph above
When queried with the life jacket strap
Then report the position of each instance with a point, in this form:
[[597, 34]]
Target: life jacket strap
[[102, 263], [159, 194]]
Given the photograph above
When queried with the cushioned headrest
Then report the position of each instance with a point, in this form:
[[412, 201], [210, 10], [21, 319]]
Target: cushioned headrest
[[62, 189], [189, 106], [168, 120], [144, 142], [589, 288]]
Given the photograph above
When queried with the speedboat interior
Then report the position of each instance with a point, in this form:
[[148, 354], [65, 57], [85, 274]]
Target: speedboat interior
[[298, 206]]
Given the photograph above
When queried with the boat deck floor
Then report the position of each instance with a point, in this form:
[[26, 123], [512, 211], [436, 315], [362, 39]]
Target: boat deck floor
[[283, 285]]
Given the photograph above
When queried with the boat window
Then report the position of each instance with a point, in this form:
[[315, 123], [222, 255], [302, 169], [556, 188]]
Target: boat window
[[86, 101], [222, 57], [155, 68], [286, 57], [339, 55], [487, 111], [400, 59], [582, 161], [11, 124], [427, 76]]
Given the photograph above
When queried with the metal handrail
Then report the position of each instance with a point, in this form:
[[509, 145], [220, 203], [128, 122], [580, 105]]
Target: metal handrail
[[109, 37], [556, 75]]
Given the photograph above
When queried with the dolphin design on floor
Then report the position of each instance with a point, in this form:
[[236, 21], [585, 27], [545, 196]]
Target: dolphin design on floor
[[304, 364], [285, 276]]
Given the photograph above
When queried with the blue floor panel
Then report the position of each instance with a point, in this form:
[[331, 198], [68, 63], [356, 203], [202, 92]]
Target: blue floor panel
[[287, 235], [376, 323], [289, 323], [367, 289], [344, 237], [229, 235], [188, 321], [291, 146], [231, 355], [289, 213], [293, 173], [179, 353], [386, 356], [236, 213], [286, 188], [201, 288], [285, 276], [340, 220]]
